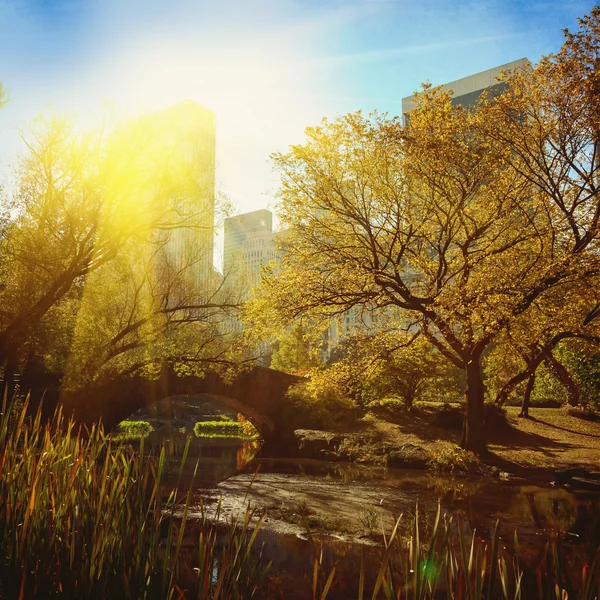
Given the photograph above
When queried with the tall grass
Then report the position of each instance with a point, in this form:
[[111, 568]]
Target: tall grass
[[454, 565], [82, 516]]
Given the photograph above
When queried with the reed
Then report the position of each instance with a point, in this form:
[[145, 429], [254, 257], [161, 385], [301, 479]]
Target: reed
[[453, 565], [83, 516]]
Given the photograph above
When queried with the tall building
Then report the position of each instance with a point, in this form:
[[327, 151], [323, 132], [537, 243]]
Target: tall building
[[468, 90], [248, 245], [180, 149]]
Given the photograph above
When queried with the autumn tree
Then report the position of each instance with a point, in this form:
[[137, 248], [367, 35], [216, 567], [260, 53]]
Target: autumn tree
[[569, 312], [296, 350], [396, 364], [101, 263], [462, 221]]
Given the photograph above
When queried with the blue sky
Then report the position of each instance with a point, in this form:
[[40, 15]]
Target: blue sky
[[268, 68]]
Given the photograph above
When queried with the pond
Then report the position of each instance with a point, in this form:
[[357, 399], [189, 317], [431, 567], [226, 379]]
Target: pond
[[346, 506], [172, 424]]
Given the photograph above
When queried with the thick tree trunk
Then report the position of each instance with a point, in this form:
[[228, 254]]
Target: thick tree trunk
[[525, 406], [565, 378], [473, 437]]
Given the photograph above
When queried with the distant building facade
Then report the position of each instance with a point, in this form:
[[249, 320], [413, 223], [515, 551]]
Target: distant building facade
[[467, 90], [248, 246], [181, 143]]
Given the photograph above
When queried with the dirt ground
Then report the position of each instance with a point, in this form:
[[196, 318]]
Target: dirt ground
[[550, 438]]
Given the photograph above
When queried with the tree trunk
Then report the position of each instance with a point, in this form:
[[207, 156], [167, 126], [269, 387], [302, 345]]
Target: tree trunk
[[525, 406], [565, 378], [473, 437]]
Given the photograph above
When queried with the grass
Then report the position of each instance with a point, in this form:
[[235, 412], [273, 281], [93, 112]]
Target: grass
[[128, 430], [83, 516], [221, 429], [551, 439]]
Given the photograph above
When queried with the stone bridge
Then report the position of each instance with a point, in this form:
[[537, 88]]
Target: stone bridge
[[259, 394]]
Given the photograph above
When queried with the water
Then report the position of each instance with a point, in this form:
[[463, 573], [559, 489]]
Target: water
[[343, 496], [212, 459], [347, 504]]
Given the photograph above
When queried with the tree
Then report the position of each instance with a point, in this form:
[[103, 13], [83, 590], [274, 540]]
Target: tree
[[99, 260], [399, 364], [537, 337], [463, 220], [141, 312], [417, 372], [295, 351]]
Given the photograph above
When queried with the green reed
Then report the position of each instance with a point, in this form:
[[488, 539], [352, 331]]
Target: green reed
[[83, 516]]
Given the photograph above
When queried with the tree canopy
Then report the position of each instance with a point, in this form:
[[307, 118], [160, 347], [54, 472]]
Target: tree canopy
[[461, 224], [106, 254]]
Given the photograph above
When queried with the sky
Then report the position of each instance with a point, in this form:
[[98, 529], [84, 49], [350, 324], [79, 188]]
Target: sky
[[267, 68]]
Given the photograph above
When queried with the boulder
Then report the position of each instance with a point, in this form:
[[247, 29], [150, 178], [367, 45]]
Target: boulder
[[449, 417], [409, 456], [580, 483], [314, 443], [565, 475]]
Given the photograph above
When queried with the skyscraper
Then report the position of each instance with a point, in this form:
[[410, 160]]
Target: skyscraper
[[467, 90], [190, 131], [178, 151], [248, 245]]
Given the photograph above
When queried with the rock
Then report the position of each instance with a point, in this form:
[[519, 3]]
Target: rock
[[580, 483], [314, 443], [563, 476], [409, 456], [484, 470]]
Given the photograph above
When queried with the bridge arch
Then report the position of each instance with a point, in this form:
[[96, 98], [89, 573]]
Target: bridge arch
[[259, 394]]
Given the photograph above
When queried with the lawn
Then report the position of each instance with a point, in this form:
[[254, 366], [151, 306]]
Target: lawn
[[550, 439]]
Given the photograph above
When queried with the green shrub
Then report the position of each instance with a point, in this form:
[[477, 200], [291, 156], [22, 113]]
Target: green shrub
[[226, 429], [387, 407], [449, 457], [323, 401], [133, 429]]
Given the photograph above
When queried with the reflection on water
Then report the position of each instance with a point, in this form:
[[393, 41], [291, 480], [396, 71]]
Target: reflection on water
[[480, 501], [537, 512], [173, 421]]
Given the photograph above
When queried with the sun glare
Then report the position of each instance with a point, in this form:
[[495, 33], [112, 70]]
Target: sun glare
[[247, 90]]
